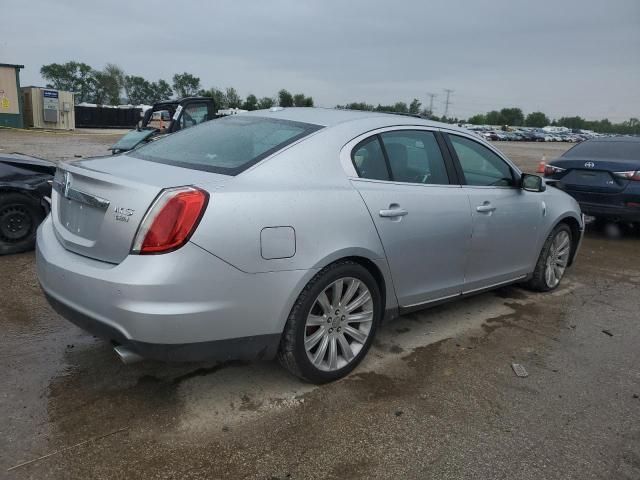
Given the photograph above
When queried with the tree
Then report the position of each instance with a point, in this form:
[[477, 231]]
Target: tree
[[494, 118], [266, 102], [298, 100], [478, 119], [138, 90], [400, 107], [232, 99], [72, 76], [217, 95], [414, 106], [160, 91], [251, 103], [536, 119], [185, 84], [285, 99], [512, 116], [576, 122], [357, 106], [108, 85]]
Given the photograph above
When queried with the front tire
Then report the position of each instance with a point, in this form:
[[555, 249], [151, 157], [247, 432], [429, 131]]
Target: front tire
[[553, 260], [20, 216], [332, 324]]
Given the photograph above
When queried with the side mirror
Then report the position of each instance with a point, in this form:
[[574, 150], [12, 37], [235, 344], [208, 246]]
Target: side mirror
[[532, 183]]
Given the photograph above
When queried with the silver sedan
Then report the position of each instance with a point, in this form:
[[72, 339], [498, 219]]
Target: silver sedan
[[293, 233]]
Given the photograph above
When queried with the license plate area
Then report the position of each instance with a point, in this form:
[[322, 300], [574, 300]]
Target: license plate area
[[80, 219]]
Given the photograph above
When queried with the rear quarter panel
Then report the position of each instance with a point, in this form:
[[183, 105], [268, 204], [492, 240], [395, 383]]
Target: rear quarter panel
[[303, 187]]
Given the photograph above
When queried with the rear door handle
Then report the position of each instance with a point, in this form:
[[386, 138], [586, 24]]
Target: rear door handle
[[486, 208], [393, 212]]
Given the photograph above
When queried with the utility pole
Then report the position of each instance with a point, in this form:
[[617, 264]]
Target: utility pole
[[431, 97], [447, 102]]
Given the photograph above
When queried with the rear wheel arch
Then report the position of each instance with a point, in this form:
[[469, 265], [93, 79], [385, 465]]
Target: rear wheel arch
[[375, 271], [574, 225]]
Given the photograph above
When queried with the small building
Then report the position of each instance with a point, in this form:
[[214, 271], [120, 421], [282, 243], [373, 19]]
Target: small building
[[11, 113], [48, 108]]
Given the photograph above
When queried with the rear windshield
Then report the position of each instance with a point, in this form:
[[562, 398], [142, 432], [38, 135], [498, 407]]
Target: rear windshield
[[618, 150], [227, 145]]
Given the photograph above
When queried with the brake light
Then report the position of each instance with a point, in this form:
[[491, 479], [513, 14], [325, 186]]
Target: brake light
[[170, 221], [552, 169], [631, 175]]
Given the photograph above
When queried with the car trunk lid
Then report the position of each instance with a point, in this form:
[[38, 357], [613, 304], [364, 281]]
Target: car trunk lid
[[595, 176], [98, 204]]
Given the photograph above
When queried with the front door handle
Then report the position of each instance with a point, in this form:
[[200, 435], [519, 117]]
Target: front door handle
[[485, 208], [394, 211]]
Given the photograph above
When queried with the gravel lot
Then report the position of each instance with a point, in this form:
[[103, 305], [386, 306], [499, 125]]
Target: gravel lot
[[436, 397]]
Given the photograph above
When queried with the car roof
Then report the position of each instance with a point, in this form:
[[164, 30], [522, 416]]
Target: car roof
[[329, 117], [629, 139]]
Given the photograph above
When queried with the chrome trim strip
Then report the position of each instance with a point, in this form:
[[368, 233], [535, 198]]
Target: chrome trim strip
[[431, 301], [81, 197], [464, 292]]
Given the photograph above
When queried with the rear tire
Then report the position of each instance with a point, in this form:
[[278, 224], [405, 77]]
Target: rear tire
[[553, 260], [326, 337], [20, 216]]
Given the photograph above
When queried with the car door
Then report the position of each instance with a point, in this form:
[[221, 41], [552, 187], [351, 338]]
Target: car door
[[506, 219], [422, 218]]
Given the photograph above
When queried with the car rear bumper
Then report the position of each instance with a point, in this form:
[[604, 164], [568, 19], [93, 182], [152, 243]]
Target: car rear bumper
[[627, 214], [185, 305]]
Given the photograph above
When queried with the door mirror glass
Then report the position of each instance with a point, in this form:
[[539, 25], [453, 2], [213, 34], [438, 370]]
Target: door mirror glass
[[532, 183]]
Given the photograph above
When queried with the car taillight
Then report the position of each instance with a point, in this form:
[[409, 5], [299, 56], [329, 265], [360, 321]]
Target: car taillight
[[552, 169], [631, 175], [170, 221]]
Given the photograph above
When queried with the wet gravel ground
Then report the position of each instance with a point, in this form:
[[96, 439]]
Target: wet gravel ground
[[435, 398]]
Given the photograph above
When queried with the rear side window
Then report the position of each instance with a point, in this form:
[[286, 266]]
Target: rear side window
[[415, 157], [369, 160], [481, 167], [228, 145]]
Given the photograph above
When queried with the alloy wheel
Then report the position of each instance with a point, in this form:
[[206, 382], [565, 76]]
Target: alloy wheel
[[557, 258], [338, 324]]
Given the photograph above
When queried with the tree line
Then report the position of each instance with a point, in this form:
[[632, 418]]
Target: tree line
[[412, 108], [515, 117], [107, 86], [111, 86]]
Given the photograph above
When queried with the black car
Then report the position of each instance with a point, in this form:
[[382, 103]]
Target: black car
[[25, 196], [603, 175], [165, 118]]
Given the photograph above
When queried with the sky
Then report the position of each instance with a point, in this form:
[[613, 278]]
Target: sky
[[563, 57]]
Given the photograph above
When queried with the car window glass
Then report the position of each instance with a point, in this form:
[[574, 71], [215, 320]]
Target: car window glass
[[415, 157], [480, 165], [227, 145], [194, 114], [369, 161]]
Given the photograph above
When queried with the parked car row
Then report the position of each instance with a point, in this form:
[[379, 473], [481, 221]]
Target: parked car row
[[531, 136]]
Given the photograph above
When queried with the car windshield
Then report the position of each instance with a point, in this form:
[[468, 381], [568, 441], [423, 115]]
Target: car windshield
[[618, 150], [228, 145]]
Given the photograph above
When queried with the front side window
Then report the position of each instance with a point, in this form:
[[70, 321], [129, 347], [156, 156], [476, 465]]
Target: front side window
[[227, 145], [415, 157], [481, 167]]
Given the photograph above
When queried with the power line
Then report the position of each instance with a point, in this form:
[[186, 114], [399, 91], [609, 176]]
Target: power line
[[431, 97], [447, 102]]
